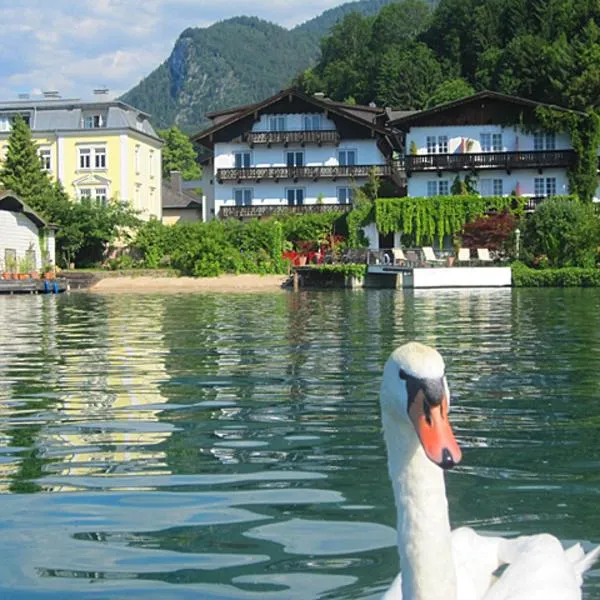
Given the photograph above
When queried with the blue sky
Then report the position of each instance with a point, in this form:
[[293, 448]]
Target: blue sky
[[74, 47]]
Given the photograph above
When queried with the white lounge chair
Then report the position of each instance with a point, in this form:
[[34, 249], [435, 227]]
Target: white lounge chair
[[430, 256], [483, 255], [464, 255], [398, 254]]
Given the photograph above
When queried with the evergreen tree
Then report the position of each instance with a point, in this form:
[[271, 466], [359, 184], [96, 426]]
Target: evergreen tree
[[178, 154], [22, 170]]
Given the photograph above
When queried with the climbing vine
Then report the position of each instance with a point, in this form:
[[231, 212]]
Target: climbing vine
[[584, 131], [428, 218]]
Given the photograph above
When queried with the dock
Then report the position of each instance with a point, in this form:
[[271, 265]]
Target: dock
[[33, 286]]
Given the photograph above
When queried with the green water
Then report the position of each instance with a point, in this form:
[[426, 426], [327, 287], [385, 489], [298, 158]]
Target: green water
[[230, 447]]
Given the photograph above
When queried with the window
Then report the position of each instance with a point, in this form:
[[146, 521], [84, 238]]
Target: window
[[438, 188], [100, 195], [294, 159], [5, 123], [151, 163], [498, 187], [443, 144], [551, 186], [491, 142], [85, 194], [243, 197], [100, 158], [344, 195], [485, 187], [277, 124], [544, 141], [295, 196], [538, 186], [92, 156], [431, 144], [137, 196], [242, 160], [312, 122], [137, 159], [45, 159], [92, 122], [347, 158], [30, 257]]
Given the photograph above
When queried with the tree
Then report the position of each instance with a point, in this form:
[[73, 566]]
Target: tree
[[178, 154], [407, 76], [562, 233], [399, 23], [451, 89], [22, 170]]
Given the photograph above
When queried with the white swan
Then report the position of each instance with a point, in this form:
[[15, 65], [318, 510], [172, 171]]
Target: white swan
[[438, 564]]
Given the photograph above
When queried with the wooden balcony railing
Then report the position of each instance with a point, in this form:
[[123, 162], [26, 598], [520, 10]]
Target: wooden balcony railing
[[265, 210], [292, 137], [295, 173], [489, 160]]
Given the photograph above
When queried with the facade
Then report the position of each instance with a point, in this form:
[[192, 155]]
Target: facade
[[294, 152], [100, 150], [178, 204], [26, 240], [494, 139]]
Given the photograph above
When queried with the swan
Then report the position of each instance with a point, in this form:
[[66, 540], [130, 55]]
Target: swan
[[437, 563]]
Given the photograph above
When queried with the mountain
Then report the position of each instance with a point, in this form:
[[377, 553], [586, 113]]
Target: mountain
[[233, 62]]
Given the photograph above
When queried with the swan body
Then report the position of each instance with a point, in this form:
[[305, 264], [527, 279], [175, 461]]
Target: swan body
[[437, 563]]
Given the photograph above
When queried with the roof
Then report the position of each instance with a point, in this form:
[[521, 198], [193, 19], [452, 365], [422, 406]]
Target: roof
[[11, 202], [184, 199], [352, 112], [66, 114], [410, 119]]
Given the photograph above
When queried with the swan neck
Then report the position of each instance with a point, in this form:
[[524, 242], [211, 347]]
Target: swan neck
[[423, 527]]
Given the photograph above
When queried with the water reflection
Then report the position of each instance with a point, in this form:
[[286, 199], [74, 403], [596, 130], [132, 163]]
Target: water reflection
[[230, 447]]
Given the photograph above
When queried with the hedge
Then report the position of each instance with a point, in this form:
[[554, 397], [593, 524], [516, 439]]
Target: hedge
[[523, 276]]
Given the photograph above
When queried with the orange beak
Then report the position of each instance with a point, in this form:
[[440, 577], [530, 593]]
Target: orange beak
[[434, 431]]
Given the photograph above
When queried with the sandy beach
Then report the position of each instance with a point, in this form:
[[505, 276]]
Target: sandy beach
[[177, 285]]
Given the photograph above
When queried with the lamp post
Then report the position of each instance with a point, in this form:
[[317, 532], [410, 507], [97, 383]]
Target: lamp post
[[517, 242]]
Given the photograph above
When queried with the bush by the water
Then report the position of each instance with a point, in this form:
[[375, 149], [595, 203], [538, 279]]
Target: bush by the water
[[210, 249], [524, 276], [562, 232]]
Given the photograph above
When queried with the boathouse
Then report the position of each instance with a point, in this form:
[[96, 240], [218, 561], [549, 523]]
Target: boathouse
[[26, 240]]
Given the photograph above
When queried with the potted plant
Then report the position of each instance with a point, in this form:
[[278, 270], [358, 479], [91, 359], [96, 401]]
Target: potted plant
[[11, 267]]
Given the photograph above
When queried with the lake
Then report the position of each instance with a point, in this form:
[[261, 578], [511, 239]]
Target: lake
[[205, 446]]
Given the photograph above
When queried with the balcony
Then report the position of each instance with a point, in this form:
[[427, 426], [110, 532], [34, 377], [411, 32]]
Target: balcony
[[489, 160], [276, 174], [285, 138], [267, 210]]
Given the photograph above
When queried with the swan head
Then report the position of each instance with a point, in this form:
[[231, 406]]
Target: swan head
[[415, 394]]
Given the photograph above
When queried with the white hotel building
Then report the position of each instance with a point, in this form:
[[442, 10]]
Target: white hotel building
[[293, 151], [493, 138]]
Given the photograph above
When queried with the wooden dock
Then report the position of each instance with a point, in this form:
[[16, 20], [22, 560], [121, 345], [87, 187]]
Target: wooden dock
[[33, 286]]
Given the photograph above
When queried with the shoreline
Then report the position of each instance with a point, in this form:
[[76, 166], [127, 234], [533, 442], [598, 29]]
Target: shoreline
[[240, 284]]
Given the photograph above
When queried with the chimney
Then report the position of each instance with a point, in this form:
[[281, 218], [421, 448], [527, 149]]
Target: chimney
[[51, 94], [23, 96], [176, 181], [103, 91]]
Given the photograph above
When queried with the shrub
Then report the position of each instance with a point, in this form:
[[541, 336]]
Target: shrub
[[494, 232], [561, 232], [523, 276]]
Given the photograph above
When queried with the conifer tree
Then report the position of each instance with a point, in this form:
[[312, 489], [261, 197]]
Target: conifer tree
[[22, 171]]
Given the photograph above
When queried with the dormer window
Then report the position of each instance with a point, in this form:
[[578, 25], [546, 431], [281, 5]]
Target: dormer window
[[93, 121]]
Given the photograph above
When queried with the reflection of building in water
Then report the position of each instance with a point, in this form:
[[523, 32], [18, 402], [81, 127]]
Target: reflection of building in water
[[113, 401], [27, 350]]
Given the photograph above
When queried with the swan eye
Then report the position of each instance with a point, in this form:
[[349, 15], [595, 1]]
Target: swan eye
[[403, 375]]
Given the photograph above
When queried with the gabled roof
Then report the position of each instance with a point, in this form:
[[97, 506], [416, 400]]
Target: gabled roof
[[184, 199], [10, 202], [414, 118], [233, 115]]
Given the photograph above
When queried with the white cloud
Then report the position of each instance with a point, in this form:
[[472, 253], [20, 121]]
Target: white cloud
[[75, 47]]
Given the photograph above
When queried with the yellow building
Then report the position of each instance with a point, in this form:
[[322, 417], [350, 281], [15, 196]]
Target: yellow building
[[100, 150]]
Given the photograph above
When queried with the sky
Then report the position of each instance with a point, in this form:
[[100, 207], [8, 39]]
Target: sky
[[74, 47]]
